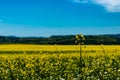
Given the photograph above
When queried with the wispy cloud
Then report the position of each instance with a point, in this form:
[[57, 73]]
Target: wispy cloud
[[80, 1], [109, 5]]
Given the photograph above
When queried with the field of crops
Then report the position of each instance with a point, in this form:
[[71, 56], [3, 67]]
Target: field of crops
[[59, 62]]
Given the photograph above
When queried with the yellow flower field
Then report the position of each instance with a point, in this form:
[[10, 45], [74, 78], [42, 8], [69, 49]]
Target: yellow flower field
[[59, 62], [20, 47]]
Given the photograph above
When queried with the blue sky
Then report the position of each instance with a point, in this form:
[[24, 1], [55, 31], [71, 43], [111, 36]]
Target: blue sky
[[59, 17]]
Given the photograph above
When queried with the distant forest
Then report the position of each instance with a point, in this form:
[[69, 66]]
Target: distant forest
[[62, 40]]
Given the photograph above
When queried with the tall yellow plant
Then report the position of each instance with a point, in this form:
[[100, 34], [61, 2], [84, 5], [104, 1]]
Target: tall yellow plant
[[80, 41]]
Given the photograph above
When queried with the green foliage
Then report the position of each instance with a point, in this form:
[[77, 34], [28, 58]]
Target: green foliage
[[66, 40]]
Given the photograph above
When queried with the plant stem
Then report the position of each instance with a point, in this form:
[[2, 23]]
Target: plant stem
[[80, 69]]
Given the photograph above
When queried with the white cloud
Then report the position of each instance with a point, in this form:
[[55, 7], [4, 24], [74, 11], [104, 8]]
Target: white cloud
[[80, 1], [110, 5]]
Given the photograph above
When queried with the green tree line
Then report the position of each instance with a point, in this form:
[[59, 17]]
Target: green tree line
[[62, 40]]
